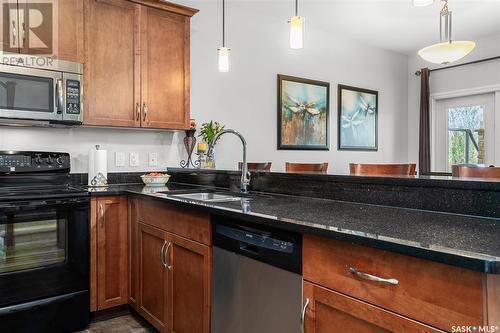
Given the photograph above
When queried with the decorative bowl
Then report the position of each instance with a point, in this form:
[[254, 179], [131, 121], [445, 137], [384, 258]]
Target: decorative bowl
[[155, 181]]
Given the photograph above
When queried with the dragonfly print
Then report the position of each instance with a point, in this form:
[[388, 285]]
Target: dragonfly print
[[358, 119], [303, 114]]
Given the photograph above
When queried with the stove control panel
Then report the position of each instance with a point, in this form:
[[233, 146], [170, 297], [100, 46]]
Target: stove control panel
[[23, 162]]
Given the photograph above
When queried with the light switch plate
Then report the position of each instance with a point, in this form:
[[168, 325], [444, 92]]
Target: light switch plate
[[153, 159], [120, 159], [134, 159]]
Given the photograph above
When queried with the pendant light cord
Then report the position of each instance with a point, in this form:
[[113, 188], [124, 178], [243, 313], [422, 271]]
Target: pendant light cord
[[296, 7], [223, 23]]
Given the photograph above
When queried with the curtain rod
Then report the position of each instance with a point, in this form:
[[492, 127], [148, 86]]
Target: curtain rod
[[417, 73]]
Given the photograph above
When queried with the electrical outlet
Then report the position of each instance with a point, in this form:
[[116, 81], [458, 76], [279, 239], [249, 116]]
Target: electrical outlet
[[153, 159], [134, 159], [120, 159]]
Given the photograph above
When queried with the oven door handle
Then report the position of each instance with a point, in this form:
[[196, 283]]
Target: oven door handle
[[59, 96]]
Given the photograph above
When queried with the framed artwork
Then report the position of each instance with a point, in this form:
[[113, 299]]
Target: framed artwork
[[357, 118], [303, 113]]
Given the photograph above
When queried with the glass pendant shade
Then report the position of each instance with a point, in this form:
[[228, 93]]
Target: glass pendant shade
[[223, 59], [444, 53], [422, 3], [297, 32]]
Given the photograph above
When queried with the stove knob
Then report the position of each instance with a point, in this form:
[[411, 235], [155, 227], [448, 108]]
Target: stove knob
[[59, 160], [38, 159], [49, 160]]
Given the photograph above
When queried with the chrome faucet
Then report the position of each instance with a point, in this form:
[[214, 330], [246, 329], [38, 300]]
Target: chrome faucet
[[245, 175]]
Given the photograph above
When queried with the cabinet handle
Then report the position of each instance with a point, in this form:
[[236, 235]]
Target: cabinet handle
[[167, 258], [24, 35], [145, 111], [303, 318], [138, 111], [370, 277], [101, 209], [162, 254], [14, 34]]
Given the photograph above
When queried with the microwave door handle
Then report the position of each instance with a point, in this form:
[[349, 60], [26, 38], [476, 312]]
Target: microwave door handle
[[59, 96]]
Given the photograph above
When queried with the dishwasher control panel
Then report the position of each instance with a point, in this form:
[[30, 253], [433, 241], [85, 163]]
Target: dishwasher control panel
[[277, 247]]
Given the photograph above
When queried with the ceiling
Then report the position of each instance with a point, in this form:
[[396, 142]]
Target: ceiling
[[390, 24], [397, 25]]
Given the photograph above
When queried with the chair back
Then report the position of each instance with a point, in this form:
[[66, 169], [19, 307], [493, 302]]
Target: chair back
[[257, 166], [407, 169], [475, 171], [306, 167]]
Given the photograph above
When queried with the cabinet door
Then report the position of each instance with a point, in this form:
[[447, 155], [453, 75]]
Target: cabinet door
[[112, 63], [133, 253], [153, 283], [70, 30], [9, 26], [332, 312], [165, 69], [111, 252], [66, 40], [189, 285]]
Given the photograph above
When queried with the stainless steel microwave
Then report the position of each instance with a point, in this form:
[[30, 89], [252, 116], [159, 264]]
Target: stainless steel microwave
[[51, 92]]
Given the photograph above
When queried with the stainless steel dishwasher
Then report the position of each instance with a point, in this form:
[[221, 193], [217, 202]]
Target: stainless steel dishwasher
[[257, 281]]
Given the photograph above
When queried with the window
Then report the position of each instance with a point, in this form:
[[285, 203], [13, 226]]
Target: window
[[463, 132]]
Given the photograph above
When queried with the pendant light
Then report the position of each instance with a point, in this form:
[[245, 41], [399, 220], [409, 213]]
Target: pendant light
[[223, 52], [422, 3], [296, 29], [447, 50]]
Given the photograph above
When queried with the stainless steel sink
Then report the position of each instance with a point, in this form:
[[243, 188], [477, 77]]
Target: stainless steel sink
[[208, 197]]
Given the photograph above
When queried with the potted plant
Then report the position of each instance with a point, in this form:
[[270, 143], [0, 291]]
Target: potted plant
[[208, 132]]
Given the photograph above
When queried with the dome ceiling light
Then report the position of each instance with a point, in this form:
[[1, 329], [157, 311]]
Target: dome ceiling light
[[447, 50]]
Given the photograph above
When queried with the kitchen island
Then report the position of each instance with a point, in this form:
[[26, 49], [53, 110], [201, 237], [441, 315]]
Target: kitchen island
[[426, 250]]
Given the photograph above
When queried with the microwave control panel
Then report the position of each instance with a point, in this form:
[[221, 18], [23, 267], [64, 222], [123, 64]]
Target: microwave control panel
[[73, 97]]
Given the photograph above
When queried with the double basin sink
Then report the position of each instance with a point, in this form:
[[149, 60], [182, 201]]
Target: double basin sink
[[207, 196]]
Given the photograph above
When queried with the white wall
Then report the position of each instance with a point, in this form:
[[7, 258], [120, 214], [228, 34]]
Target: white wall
[[451, 80], [78, 141], [245, 98]]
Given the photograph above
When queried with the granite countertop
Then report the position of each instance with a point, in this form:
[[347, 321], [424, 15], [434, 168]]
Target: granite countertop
[[461, 240]]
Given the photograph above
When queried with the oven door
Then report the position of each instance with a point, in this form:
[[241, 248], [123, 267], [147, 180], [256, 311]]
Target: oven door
[[27, 93], [44, 249]]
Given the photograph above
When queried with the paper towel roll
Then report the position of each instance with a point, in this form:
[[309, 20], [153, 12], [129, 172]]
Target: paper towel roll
[[91, 172], [98, 163]]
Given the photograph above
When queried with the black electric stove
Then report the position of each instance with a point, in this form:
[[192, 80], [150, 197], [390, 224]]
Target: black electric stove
[[44, 244]]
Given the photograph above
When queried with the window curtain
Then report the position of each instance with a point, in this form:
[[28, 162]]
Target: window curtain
[[424, 155]]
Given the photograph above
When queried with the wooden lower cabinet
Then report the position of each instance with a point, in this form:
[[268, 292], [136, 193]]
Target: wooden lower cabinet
[[172, 274], [332, 312], [153, 276], [109, 246], [189, 285]]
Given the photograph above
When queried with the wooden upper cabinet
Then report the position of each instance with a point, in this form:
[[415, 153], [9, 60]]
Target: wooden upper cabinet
[[112, 63], [66, 20], [70, 30], [165, 69], [332, 312], [137, 64], [112, 247]]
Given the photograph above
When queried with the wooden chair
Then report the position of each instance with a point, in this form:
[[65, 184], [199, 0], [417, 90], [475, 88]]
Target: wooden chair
[[257, 166], [306, 167], [382, 169], [475, 171]]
